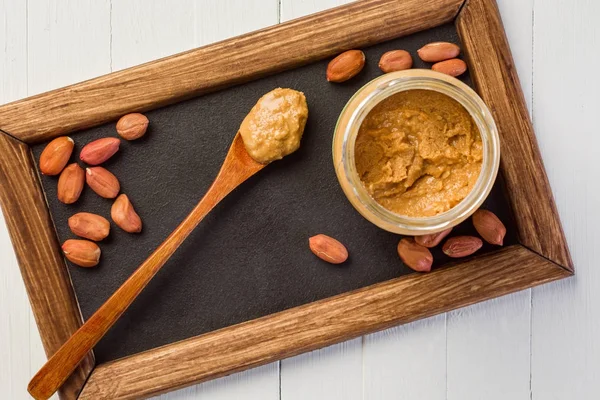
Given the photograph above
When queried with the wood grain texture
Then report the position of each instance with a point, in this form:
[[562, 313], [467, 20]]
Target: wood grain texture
[[566, 316], [492, 68], [42, 265], [320, 324], [336, 371], [488, 344], [399, 328], [237, 168], [206, 69], [66, 41], [145, 30]]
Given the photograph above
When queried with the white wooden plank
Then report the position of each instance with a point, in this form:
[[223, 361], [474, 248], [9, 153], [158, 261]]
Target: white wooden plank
[[336, 371], [14, 320], [259, 383], [488, 350], [13, 57], [566, 322], [291, 9], [145, 30], [517, 16], [20, 345], [37, 354], [406, 362], [15, 353], [217, 19], [68, 41], [488, 344], [65, 42], [564, 313]]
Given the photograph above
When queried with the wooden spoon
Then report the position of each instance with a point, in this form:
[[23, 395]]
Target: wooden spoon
[[237, 167]]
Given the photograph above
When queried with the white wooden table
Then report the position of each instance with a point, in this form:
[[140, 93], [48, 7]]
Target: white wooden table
[[539, 344]]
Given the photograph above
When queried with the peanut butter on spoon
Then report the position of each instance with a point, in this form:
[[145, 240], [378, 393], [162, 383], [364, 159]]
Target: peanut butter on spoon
[[274, 126], [272, 130]]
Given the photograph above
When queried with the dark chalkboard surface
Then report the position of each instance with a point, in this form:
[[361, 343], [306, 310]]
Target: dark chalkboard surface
[[250, 256]]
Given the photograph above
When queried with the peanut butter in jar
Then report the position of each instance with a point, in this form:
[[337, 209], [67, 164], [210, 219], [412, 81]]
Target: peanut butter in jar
[[418, 153]]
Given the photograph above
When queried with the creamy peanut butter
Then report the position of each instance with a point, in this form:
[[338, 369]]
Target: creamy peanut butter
[[418, 153], [274, 126]]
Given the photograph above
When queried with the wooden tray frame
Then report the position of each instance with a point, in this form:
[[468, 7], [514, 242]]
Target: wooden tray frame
[[542, 255]]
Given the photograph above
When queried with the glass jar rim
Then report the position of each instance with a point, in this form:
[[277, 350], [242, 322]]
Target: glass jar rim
[[358, 107]]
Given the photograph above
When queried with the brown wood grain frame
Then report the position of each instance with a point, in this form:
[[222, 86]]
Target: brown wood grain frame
[[39, 255], [541, 256]]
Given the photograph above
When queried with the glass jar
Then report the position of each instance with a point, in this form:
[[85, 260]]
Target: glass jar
[[359, 107]]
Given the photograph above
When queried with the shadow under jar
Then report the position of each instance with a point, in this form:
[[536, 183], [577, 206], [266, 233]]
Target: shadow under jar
[[359, 107]]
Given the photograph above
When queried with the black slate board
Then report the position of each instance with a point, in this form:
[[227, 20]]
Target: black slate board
[[250, 256]]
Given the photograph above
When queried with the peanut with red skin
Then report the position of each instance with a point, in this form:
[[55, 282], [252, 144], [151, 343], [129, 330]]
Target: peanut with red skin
[[328, 249]]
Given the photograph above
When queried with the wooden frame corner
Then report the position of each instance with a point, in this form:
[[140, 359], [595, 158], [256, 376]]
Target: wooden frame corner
[[42, 265], [200, 71], [322, 323], [492, 67], [542, 255]]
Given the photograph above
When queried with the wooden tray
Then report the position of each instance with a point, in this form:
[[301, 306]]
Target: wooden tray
[[538, 253]]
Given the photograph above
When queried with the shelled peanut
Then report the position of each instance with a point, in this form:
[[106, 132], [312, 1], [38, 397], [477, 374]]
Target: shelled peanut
[[395, 60], [415, 252], [432, 239], [103, 182], [489, 227], [345, 66], [444, 56], [454, 67], [72, 179], [438, 51], [124, 215], [99, 151], [82, 252], [70, 184], [132, 126], [416, 255], [328, 249], [461, 246], [89, 226], [56, 155]]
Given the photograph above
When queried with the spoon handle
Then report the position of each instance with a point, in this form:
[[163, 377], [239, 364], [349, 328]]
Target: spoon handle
[[237, 167]]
